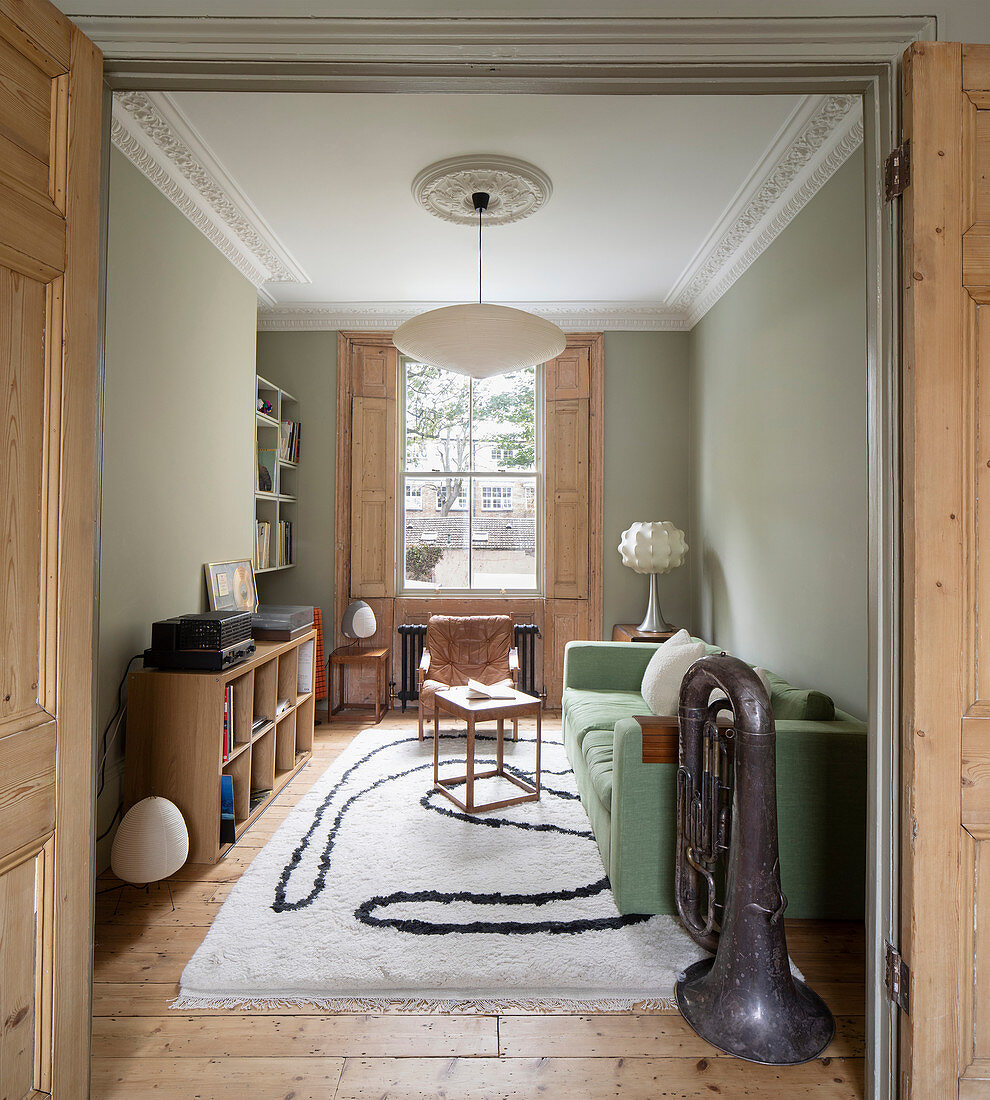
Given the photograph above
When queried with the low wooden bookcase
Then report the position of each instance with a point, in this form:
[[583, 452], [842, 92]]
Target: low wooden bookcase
[[175, 739]]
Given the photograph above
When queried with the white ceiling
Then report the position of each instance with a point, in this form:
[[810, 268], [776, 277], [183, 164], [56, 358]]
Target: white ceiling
[[659, 202], [639, 181]]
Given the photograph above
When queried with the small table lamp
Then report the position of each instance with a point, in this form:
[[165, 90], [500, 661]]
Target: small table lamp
[[358, 622], [653, 548]]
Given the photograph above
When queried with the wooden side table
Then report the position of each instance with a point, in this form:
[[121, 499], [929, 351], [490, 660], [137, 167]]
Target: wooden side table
[[626, 632], [661, 737], [355, 655], [454, 701]]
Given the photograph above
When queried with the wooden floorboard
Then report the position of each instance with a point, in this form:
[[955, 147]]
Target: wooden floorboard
[[143, 1048]]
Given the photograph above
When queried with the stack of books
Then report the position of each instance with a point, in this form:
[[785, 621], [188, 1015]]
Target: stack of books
[[262, 544], [288, 441], [227, 743], [284, 542]]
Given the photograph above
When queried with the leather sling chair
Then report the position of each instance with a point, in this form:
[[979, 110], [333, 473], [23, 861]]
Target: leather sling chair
[[459, 648]]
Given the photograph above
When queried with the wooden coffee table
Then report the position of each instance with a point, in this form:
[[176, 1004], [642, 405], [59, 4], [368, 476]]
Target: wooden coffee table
[[454, 701]]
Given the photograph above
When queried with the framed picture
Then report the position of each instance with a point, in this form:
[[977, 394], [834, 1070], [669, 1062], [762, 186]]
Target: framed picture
[[231, 585]]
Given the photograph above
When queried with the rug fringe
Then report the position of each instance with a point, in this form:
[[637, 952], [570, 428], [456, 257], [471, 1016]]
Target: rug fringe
[[596, 1006]]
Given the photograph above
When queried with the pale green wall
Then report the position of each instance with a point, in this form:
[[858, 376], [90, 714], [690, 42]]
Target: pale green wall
[[646, 464], [646, 438], [779, 453], [305, 364], [178, 426]]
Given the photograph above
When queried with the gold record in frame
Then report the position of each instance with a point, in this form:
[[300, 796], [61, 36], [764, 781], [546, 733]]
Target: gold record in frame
[[243, 587], [231, 585]]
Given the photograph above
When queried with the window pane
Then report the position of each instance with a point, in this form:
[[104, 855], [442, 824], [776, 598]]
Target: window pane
[[435, 542], [503, 538], [505, 421], [438, 412]]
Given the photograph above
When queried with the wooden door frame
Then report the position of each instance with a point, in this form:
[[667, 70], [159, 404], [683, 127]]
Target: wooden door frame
[[854, 55]]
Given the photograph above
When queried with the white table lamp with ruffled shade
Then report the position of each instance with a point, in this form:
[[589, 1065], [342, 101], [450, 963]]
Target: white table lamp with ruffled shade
[[653, 548]]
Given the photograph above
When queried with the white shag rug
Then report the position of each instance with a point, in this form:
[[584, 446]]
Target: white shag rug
[[377, 892]]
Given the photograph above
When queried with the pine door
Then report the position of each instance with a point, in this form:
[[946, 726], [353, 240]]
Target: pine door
[[945, 840], [50, 109]]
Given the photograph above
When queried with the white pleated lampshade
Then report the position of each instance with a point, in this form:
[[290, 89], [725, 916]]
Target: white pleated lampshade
[[151, 843], [653, 547], [479, 339]]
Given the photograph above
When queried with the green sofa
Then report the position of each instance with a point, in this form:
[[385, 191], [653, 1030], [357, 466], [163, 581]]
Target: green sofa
[[821, 787]]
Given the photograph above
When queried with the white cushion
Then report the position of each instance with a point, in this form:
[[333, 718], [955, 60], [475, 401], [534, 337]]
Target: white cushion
[[662, 679], [718, 693]]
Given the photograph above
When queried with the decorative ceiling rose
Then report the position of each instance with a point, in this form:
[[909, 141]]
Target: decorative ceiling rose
[[517, 189]]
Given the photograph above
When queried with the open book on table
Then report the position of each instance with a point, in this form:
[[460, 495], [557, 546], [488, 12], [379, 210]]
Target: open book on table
[[478, 690]]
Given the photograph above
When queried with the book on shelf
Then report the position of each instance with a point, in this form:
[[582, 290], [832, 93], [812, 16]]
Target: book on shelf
[[284, 542], [227, 833], [288, 440], [477, 690], [262, 544], [259, 723], [227, 738], [304, 678], [257, 797], [266, 471]]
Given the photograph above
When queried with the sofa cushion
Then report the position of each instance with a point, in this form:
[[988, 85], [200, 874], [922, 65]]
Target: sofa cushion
[[791, 704], [597, 751], [597, 710], [663, 676]]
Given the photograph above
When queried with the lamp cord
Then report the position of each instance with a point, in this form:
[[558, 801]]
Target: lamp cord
[[479, 254]]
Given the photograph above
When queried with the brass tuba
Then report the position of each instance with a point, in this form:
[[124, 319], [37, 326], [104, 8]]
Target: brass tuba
[[745, 1001]]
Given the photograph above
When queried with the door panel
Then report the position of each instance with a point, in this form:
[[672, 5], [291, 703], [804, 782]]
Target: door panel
[[49, 190], [18, 961], [945, 1048], [22, 381]]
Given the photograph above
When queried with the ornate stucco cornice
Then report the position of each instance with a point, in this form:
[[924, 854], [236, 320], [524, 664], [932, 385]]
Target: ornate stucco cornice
[[788, 178], [818, 138], [151, 131], [570, 316]]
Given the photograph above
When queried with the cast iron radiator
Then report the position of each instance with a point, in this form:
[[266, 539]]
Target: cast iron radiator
[[413, 635]]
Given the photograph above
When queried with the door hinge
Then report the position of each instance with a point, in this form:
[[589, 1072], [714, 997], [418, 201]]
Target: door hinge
[[897, 979], [897, 172]]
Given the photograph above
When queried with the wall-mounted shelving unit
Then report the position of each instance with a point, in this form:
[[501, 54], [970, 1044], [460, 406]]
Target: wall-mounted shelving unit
[[275, 506]]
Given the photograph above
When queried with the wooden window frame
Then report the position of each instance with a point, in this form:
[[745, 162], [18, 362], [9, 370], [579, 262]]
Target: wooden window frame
[[470, 476]]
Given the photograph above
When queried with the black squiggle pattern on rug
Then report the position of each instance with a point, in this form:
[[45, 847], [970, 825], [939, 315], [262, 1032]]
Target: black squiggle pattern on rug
[[420, 927]]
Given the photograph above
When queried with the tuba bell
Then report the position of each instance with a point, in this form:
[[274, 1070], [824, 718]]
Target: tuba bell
[[745, 1001]]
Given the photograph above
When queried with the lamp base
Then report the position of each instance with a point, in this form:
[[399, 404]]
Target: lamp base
[[654, 622]]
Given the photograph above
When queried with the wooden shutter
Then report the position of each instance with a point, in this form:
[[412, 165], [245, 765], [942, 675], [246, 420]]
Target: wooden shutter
[[367, 370], [372, 497], [567, 493], [945, 764], [573, 464], [50, 112]]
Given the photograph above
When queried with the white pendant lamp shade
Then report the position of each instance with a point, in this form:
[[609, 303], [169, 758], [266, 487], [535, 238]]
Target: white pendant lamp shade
[[151, 843], [479, 339]]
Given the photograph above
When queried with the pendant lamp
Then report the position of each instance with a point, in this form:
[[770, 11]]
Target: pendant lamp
[[479, 339]]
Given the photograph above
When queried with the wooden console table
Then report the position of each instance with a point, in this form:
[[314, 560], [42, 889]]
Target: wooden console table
[[626, 632]]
